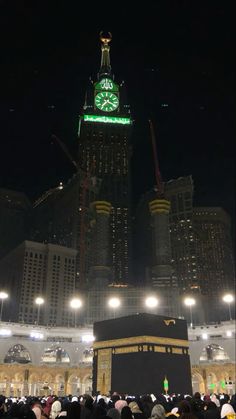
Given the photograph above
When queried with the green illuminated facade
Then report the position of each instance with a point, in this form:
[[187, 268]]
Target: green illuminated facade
[[104, 152]]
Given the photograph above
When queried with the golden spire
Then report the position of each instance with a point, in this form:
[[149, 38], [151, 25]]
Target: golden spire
[[105, 68]]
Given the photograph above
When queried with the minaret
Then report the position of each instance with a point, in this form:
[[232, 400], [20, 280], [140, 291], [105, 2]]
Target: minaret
[[100, 271], [159, 209]]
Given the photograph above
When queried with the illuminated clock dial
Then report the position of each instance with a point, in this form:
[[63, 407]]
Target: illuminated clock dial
[[106, 101]]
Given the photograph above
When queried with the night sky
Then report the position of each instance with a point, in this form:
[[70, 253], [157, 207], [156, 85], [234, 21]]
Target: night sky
[[177, 59]]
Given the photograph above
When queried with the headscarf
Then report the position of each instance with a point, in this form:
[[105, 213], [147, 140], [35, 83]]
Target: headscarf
[[158, 412], [134, 407], [174, 410], [113, 413], [126, 413], [74, 410], [47, 408], [55, 410], [215, 400], [37, 411], [120, 404], [25, 412], [227, 409]]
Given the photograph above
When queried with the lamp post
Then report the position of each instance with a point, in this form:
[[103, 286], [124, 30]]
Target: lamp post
[[228, 298], [75, 303], [3, 296], [39, 301], [151, 302], [114, 303], [190, 302]]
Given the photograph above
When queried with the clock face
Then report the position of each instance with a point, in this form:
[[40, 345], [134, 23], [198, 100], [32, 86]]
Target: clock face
[[106, 101]]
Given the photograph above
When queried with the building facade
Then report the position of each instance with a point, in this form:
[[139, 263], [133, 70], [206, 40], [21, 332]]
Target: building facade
[[39, 270], [180, 193], [214, 255]]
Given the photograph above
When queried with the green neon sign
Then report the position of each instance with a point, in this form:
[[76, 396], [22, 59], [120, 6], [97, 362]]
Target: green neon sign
[[107, 119]]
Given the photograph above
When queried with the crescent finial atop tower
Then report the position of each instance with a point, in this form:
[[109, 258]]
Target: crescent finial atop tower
[[105, 37], [105, 69]]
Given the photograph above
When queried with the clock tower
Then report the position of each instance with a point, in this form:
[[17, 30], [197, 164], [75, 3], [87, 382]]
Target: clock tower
[[104, 148]]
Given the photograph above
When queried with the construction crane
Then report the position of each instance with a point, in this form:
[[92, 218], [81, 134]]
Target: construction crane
[[83, 225], [85, 186], [159, 182], [65, 149]]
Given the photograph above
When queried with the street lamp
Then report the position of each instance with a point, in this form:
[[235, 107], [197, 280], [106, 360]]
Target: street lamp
[[228, 298], [39, 301], [76, 303], [114, 303], [189, 302], [151, 302], [3, 296]]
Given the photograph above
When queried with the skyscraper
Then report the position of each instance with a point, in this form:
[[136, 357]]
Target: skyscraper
[[180, 193], [214, 256], [104, 150], [35, 269]]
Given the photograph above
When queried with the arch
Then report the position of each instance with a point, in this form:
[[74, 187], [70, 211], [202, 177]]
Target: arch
[[34, 384], [17, 354], [213, 353], [19, 376], [18, 384], [198, 382], [47, 377], [5, 381], [59, 385], [33, 377], [231, 374], [47, 383], [212, 382], [55, 354], [87, 384], [74, 385]]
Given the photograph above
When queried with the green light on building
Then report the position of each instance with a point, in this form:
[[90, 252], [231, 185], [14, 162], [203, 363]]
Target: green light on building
[[222, 384], [166, 385], [106, 84], [107, 119]]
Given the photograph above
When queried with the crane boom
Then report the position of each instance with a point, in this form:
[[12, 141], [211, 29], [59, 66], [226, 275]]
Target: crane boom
[[85, 185], [64, 148], [83, 227]]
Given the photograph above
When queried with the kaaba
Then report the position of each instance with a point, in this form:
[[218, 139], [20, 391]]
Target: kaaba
[[141, 354]]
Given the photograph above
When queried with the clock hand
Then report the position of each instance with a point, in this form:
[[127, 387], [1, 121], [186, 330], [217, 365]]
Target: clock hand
[[104, 103], [111, 103]]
